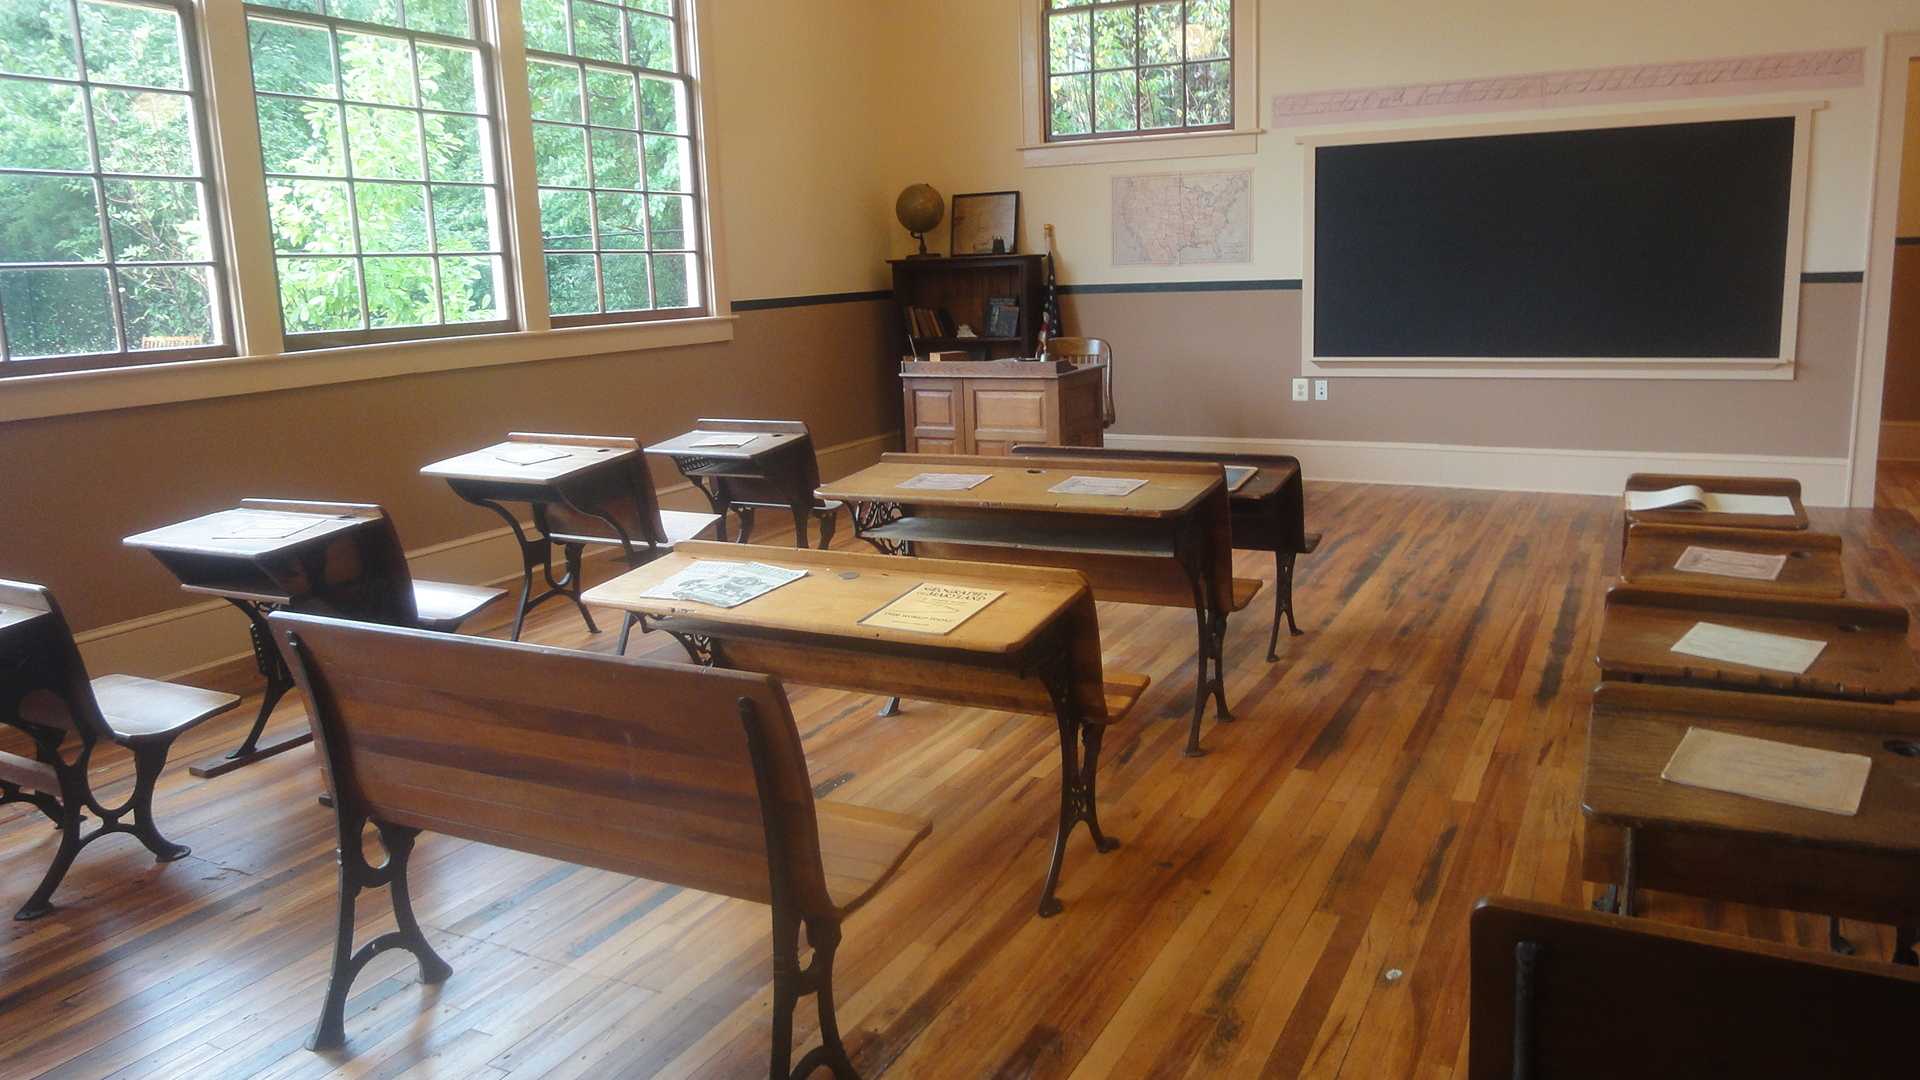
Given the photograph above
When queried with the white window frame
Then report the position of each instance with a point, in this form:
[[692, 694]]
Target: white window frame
[[1427, 367], [264, 364], [1242, 138]]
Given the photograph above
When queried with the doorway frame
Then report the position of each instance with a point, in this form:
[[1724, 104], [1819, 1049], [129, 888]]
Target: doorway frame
[[1897, 52]]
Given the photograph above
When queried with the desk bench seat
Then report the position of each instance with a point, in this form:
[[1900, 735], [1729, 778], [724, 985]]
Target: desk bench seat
[[1123, 690], [681, 525]]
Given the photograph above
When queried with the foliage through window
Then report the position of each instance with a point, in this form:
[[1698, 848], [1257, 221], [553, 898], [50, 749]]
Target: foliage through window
[[614, 158], [1137, 67], [108, 252], [380, 155]]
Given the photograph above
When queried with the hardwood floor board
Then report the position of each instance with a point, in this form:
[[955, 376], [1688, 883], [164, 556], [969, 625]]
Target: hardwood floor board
[[1419, 747]]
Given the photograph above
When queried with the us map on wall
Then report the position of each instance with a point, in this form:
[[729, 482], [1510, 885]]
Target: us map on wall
[[1183, 219]]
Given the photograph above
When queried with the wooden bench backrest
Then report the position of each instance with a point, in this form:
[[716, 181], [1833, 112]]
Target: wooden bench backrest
[[362, 574], [625, 495], [628, 765], [1611, 997], [1293, 499], [39, 656]]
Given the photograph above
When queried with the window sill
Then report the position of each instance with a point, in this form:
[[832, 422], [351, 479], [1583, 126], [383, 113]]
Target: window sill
[[1184, 144], [28, 397]]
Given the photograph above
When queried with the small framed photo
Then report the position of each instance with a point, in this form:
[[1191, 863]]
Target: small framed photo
[[985, 223]]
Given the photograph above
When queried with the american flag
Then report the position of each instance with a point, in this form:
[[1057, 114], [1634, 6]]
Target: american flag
[[1050, 310]]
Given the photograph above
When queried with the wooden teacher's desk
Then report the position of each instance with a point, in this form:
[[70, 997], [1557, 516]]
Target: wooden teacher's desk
[[253, 559], [1646, 832], [988, 406], [1167, 543], [1035, 649]]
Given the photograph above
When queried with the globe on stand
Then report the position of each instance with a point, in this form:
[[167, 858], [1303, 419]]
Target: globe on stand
[[920, 209]]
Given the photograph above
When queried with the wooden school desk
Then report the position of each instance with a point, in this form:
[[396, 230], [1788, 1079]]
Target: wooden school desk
[[1866, 657], [594, 481], [1168, 543], [1784, 487], [229, 554], [1812, 570], [776, 469], [1745, 850], [1034, 650]]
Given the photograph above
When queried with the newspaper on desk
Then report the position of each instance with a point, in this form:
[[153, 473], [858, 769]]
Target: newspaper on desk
[[265, 525], [1750, 565], [1117, 486], [723, 584], [722, 438], [528, 454], [944, 481], [1775, 652]]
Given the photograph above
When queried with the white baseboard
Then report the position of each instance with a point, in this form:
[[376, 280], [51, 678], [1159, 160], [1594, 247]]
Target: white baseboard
[[1823, 481], [1900, 440], [185, 640]]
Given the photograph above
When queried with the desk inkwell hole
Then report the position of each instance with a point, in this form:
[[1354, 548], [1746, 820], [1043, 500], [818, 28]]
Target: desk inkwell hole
[[849, 575], [1035, 472], [1903, 747], [1800, 555], [1849, 628]]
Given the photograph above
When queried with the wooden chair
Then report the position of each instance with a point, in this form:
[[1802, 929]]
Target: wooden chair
[[1265, 516], [675, 774], [783, 480], [367, 578], [45, 693], [1571, 995], [1088, 352]]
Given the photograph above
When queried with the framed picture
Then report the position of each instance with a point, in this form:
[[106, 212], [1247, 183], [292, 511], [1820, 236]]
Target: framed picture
[[985, 223]]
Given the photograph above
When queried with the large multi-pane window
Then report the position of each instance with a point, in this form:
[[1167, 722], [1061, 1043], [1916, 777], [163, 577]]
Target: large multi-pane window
[[380, 153], [614, 158], [107, 249], [1134, 67]]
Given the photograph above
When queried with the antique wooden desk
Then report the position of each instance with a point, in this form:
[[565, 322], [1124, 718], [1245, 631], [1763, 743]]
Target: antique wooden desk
[[776, 470], [231, 554], [1168, 543], [1034, 650], [1645, 832], [987, 406], [1269, 512], [1866, 657], [1728, 485], [582, 489], [1813, 568]]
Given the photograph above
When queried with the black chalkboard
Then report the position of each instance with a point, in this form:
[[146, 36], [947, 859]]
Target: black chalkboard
[[1666, 240]]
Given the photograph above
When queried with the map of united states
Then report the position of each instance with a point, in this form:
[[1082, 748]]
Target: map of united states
[[1183, 219]]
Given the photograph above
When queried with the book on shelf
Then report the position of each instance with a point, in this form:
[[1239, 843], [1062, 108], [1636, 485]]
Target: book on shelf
[[1003, 316]]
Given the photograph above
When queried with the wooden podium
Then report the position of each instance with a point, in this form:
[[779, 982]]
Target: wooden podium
[[988, 406]]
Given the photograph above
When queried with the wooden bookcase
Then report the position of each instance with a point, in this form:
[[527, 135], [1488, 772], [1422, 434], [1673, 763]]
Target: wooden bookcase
[[961, 287]]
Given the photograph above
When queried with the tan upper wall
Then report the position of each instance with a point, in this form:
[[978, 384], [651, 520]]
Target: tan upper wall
[[1910, 158], [960, 121]]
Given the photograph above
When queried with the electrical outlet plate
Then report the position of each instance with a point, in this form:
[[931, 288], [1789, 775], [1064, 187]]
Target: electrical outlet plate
[[1299, 389], [1319, 389]]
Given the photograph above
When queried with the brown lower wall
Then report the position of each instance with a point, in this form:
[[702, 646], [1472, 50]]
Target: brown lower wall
[[76, 484], [1219, 364], [1902, 400]]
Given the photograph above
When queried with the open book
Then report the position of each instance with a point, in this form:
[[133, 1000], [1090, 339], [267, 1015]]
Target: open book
[[1695, 497]]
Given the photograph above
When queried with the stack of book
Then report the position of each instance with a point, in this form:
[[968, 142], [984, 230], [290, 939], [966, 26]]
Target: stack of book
[[926, 322]]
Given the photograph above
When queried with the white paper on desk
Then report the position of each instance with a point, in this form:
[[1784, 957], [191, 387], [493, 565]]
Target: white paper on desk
[[1802, 776], [930, 608], [1775, 652], [1750, 565], [1238, 475], [266, 525], [945, 481], [1770, 505], [723, 584], [529, 455], [1116, 486], [722, 438]]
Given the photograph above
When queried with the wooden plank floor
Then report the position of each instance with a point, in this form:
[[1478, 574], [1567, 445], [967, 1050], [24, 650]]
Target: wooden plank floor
[[1294, 904]]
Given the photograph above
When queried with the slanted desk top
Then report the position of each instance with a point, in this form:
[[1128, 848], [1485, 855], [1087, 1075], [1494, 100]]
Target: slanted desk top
[[1171, 489], [573, 455], [244, 533], [1725, 485], [1812, 567], [841, 588], [762, 443], [14, 616], [1866, 656]]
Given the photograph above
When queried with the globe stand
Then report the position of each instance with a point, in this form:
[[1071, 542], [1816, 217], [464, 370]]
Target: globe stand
[[923, 253]]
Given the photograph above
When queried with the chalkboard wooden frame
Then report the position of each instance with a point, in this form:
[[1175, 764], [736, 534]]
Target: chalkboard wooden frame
[[1780, 366]]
